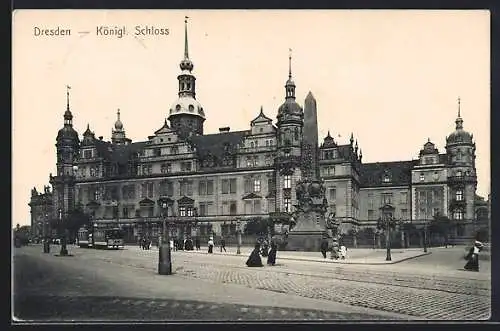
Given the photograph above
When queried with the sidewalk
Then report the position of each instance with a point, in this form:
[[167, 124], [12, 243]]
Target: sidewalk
[[354, 255]]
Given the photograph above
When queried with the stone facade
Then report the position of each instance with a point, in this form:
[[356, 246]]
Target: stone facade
[[215, 179]]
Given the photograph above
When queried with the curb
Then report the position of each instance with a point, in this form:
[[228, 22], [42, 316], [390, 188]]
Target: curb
[[326, 260]]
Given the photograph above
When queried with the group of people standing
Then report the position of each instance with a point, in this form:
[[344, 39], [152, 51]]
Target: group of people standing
[[254, 259], [338, 252]]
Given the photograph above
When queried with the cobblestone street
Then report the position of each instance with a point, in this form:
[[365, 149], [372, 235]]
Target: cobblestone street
[[439, 293]]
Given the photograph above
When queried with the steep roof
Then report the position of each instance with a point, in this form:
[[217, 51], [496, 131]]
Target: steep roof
[[215, 144], [400, 172], [120, 154]]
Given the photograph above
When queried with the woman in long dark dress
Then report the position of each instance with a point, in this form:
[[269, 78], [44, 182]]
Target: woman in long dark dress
[[473, 257], [271, 258], [254, 258]]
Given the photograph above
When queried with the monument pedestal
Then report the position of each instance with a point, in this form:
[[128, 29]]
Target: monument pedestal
[[305, 241]]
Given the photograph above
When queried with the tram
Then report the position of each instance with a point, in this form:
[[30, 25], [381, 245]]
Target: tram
[[112, 238]]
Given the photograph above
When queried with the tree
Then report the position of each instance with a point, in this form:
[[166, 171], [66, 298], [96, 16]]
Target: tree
[[258, 226], [441, 225]]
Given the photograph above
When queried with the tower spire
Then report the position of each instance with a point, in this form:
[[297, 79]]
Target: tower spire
[[67, 96], [459, 121], [186, 52], [186, 64], [290, 63]]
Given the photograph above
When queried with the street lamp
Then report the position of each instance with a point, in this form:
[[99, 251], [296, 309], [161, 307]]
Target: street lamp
[[164, 258], [238, 234], [46, 243]]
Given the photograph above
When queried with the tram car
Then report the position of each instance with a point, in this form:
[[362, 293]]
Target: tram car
[[101, 238], [84, 238]]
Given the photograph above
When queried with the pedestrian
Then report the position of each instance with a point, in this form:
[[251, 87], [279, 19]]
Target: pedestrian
[[254, 259], [265, 248], [222, 244], [343, 252], [211, 245], [197, 243], [473, 257], [271, 258], [324, 247]]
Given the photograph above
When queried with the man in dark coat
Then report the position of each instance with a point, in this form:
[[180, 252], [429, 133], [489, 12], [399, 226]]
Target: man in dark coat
[[222, 244], [271, 258], [197, 243], [324, 247], [254, 258]]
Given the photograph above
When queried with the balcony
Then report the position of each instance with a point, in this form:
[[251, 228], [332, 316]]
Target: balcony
[[259, 149]]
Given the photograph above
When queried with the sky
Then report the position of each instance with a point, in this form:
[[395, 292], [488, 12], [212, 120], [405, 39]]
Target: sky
[[392, 78]]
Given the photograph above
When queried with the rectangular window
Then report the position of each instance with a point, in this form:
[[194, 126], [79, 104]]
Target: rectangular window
[[202, 210], [186, 166], [210, 187], [386, 198], [288, 205], [190, 188], [404, 214], [256, 185], [87, 154], [224, 208], [268, 160], [256, 161], [333, 193], [249, 161], [166, 168], [422, 177], [270, 185], [202, 187], [182, 211], [248, 207], [370, 200], [232, 208], [248, 185], [371, 214], [257, 207], [182, 188], [225, 186], [150, 190], [404, 197], [232, 185], [458, 215], [287, 182], [459, 195]]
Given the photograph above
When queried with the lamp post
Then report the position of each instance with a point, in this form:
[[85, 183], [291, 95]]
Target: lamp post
[[164, 258], [238, 234], [46, 243]]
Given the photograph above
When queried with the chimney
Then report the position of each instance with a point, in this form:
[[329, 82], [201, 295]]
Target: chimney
[[100, 137], [224, 129]]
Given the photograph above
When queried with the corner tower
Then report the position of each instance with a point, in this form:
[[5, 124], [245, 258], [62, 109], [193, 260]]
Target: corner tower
[[186, 114], [462, 179], [290, 123], [67, 145]]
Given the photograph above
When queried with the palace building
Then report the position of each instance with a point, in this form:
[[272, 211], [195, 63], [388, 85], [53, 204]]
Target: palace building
[[215, 179]]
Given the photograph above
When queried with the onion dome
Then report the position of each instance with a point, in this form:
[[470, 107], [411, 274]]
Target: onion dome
[[118, 123], [459, 135], [67, 132], [187, 105]]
